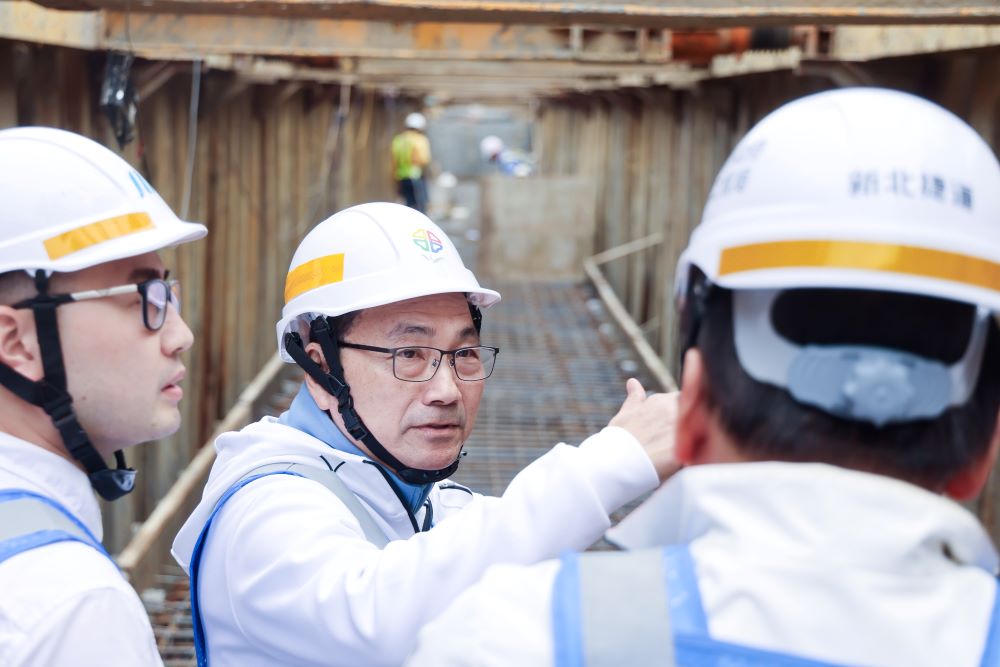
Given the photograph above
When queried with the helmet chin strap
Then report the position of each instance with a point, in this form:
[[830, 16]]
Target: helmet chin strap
[[51, 395], [334, 383]]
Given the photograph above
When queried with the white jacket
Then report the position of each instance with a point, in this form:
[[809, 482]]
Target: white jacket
[[288, 578], [65, 603], [807, 559]]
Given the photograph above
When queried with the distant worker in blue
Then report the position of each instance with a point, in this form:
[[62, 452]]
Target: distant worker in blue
[[840, 385], [90, 345], [506, 160], [330, 535], [411, 155]]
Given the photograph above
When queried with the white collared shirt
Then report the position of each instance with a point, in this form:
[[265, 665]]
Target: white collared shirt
[[807, 559], [66, 603]]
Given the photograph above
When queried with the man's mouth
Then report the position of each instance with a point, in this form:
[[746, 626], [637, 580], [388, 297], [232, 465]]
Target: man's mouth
[[172, 387], [438, 426]]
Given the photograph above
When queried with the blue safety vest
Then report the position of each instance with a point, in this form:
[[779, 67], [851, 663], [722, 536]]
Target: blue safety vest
[[608, 610], [29, 520], [327, 478]]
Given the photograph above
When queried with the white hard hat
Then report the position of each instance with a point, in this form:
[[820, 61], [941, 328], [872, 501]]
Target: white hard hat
[[416, 121], [70, 203], [370, 255], [866, 189], [490, 146], [856, 188]]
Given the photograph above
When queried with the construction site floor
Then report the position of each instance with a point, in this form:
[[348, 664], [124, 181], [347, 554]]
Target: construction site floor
[[560, 376]]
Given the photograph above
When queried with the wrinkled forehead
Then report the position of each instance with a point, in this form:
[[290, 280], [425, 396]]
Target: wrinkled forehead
[[444, 315]]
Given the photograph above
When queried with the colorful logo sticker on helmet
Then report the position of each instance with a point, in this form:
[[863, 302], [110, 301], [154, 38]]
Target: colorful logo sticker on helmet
[[427, 241]]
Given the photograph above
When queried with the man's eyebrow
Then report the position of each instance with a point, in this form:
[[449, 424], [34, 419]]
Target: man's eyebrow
[[408, 328], [469, 333], [144, 273]]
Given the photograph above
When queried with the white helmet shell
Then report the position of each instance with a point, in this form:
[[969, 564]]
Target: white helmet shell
[[367, 256], [416, 121], [856, 188], [70, 203]]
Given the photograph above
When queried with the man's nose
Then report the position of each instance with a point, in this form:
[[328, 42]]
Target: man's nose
[[443, 387], [176, 335]]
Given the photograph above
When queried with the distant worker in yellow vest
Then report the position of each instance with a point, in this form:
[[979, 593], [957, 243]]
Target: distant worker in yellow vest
[[411, 153]]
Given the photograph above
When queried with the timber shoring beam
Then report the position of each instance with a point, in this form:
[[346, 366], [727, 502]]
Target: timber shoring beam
[[177, 35], [645, 13]]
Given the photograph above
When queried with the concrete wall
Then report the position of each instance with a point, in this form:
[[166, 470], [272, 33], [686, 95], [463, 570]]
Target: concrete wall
[[536, 228]]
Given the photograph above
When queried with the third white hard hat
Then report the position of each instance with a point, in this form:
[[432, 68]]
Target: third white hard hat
[[416, 121], [856, 188], [371, 255]]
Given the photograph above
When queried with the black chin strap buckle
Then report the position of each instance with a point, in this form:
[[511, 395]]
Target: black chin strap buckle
[[113, 484], [109, 484], [353, 423]]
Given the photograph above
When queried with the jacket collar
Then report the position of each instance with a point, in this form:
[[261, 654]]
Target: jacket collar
[[809, 512], [303, 414]]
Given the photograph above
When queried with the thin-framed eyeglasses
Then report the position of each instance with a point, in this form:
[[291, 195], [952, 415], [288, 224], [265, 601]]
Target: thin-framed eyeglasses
[[419, 363], [157, 295]]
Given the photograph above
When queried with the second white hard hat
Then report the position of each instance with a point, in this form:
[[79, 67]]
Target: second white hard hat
[[371, 255], [70, 203]]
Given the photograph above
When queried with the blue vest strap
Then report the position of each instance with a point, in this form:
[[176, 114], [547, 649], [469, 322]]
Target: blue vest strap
[[610, 602], [29, 520], [991, 650], [327, 478], [622, 618]]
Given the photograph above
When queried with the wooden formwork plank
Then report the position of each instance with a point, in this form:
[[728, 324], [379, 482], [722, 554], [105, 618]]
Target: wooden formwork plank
[[661, 305], [229, 295], [8, 86], [273, 248], [985, 95], [639, 165], [616, 204]]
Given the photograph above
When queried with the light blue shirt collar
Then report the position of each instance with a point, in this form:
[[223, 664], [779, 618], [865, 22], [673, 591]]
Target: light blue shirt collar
[[303, 414]]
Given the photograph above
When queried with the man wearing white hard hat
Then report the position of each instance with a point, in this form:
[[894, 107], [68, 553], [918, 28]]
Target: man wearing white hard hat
[[90, 344], [411, 153], [330, 535], [840, 382], [506, 160]]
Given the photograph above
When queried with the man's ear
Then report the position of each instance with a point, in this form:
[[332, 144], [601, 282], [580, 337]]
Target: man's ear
[[320, 395], [968, 483], [19, 342], [693, 417]]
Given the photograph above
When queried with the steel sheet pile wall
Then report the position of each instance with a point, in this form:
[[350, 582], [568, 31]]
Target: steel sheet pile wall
[[652, 154], [271, 161]]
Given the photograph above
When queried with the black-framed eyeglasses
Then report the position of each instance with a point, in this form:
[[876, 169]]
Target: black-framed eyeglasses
[[419, 363], [157, 295]]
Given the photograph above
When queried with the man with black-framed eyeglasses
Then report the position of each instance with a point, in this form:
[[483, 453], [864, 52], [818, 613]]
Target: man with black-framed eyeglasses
[[90, 343], [418, 363], [155, 295], [331, 534]]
